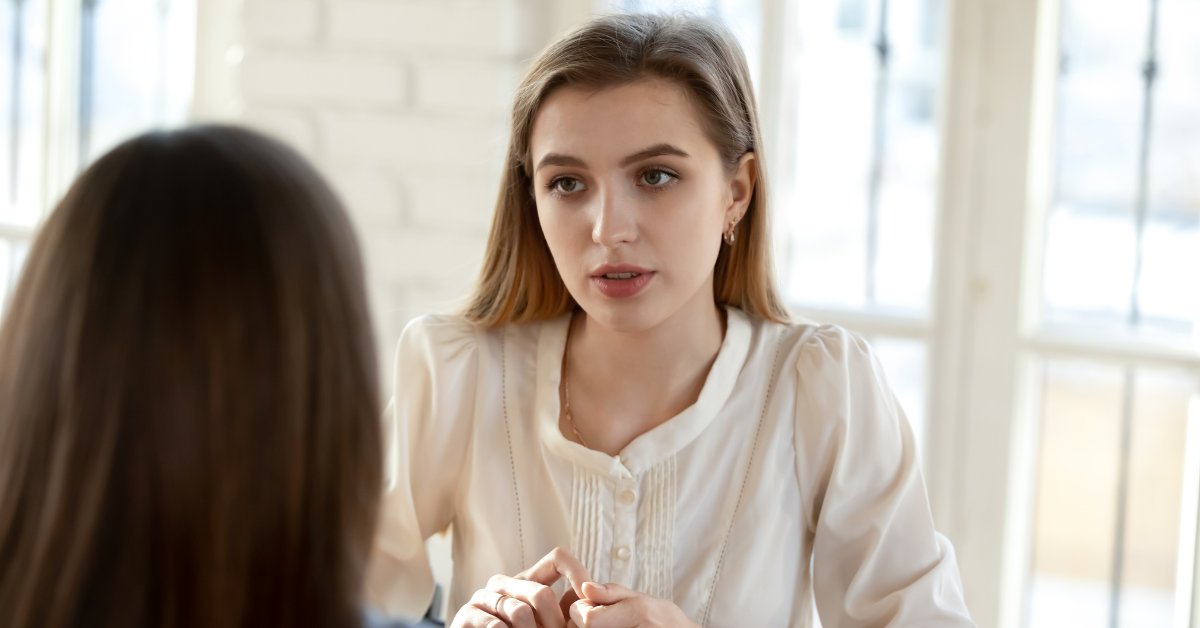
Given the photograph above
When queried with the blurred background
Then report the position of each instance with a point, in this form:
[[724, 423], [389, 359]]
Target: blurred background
[[1002, 195]]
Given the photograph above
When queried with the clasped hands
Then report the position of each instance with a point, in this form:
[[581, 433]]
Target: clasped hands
[[527, 601]]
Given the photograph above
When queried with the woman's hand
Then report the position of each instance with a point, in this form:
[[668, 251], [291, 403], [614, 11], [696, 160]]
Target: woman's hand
[[526, 600], [614, 606]]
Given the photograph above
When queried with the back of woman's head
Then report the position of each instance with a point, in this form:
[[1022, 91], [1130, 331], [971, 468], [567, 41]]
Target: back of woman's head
[[189, 427]]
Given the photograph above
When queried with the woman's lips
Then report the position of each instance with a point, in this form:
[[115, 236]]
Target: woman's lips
[[622, 288]]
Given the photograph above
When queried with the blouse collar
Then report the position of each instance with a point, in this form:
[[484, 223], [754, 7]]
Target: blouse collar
[[663, 441]]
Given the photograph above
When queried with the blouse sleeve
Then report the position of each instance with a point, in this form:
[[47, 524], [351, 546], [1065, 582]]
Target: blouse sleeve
[[426, 435], [877, 559]]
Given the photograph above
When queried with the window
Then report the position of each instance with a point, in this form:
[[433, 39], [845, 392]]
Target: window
[[1114, 445], [109, 69], [1123, 227], [1115, 492]]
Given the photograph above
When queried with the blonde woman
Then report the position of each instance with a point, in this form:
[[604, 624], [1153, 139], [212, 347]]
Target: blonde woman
[[625, 401]]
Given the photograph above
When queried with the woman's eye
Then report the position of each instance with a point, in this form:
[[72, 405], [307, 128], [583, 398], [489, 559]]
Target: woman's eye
[[566, 185], [656, 178]]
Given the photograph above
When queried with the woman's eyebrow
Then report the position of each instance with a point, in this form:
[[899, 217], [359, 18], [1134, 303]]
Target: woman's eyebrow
[[555, 159], [658, 150]]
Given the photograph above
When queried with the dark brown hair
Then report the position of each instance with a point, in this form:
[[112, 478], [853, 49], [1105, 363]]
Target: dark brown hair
[[189, 413], [519, 282]]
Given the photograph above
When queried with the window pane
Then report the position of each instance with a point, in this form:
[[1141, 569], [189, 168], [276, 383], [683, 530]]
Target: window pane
[[1172, 244], [1076, 503], [1092, 451], [1089, 266], [1156, 481], [1094, 248], [141, 68], [22, 86], [909, 183], [861, 224], [1175, 181], [1100, 103], [837, 70]]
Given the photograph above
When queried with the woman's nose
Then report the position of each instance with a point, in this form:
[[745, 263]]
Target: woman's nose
[[616, 222]]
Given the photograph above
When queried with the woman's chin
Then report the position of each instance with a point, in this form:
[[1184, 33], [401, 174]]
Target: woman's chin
[[626, 316]]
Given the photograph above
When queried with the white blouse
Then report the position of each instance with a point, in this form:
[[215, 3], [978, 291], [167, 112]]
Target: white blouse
[[793, 478]]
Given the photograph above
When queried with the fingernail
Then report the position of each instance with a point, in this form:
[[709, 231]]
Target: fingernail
[[599, 586]]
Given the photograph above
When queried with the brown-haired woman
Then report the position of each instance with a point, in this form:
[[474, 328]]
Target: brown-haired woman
[[625, 383], [189, 431]]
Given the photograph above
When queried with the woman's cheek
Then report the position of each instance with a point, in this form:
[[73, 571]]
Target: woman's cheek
[[568, 236], [691, 248]]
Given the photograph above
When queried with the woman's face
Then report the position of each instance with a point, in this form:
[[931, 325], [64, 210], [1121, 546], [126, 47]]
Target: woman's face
[[633, 199]]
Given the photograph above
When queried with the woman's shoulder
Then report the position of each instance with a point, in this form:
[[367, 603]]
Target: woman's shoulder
[[837, 393], [803, 341], [836, 380], [442, 328], [443, 338], [436, 341], [825, 365], [442, 333]]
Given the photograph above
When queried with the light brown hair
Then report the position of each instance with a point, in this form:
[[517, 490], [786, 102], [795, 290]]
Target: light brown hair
[[189, 413], [519, 282]]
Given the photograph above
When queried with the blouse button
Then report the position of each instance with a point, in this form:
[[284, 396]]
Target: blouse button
[[626, 497], [622, 553]]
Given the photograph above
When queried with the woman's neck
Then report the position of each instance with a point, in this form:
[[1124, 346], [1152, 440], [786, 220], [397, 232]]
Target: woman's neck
[[623, 384]]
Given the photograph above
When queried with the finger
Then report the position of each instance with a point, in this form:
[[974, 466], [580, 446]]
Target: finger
[[472, 617], [606, 594], [627, 612], [514, 612], [540, 598], [579, 612], [565, 602], [558, 563], [588, 615]]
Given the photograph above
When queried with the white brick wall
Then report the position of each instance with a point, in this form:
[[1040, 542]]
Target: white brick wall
[[465, 86], [403, 104], [290, 21], [359, 81], [471, 26], [403, 139]]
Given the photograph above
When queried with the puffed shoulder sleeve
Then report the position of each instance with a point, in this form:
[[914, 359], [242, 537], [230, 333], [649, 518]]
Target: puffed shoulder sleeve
[[426, 437], [877, 559]]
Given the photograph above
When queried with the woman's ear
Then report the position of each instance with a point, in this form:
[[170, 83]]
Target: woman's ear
[[741, 188]]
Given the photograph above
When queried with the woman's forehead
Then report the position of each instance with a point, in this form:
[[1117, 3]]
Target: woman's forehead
[[612, 122]]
